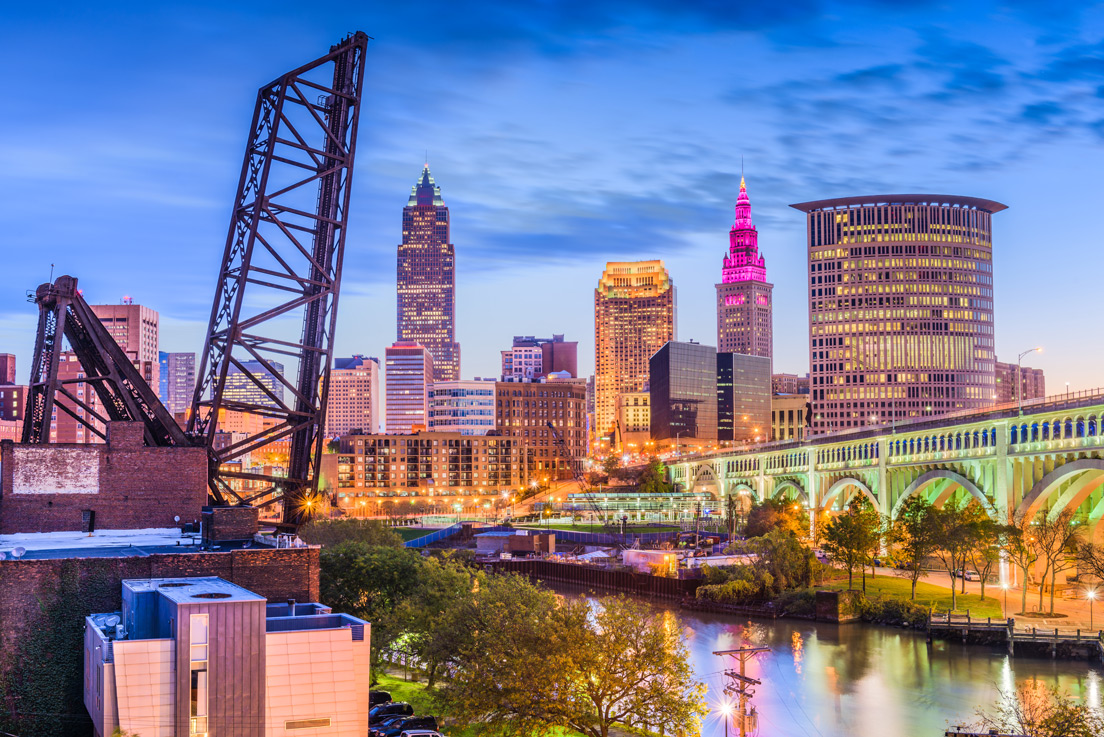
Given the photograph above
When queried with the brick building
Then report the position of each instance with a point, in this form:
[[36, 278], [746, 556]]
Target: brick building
[[120, 485], [524, 409], [1032, 383]]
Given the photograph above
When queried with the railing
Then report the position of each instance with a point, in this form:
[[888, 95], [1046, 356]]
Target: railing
[[421, 542]]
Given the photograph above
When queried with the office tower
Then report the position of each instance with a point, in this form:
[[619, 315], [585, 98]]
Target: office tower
[[135, 329], [634, 423], [743, 398], [408, 373], [789, 384], [12, 397], [634, 315], [788, 415], [683, 389], [354, 400], [524, 410], [1032, 383], [465, 406], [245, 394], [530, 357], [900, 307], [744, 317], [427, 279], [177, 380]]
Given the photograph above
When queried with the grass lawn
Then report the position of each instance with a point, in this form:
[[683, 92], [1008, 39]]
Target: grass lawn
[[927, 595], [411, 533], [414, 692]]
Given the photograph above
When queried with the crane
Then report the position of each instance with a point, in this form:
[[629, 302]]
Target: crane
[[573, 465]]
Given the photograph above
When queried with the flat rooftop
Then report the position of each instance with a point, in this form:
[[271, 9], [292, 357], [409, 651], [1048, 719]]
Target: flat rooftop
[[193, 590], [105, 544]]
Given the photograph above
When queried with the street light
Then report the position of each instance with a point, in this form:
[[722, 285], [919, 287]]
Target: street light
[[726, 709], [1019, 374], [1091, 596], [1004, 611]]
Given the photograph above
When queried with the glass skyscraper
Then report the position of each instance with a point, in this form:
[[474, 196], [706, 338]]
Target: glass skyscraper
[[427, 279], [900, 307], [743, 397], [683, 392]]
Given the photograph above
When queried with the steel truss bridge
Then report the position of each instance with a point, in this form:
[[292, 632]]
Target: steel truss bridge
[[1046, 458]]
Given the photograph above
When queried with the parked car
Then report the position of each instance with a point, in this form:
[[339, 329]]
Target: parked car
[[394, 708], [398, 727], [420, 733], [375, 698], [971, 576], [385, 723]]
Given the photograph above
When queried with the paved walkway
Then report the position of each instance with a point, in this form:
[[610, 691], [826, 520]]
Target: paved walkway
[[1077, 610]]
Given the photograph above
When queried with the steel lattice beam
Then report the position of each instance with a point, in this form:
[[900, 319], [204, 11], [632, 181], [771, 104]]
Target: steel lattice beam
[[282, 261]]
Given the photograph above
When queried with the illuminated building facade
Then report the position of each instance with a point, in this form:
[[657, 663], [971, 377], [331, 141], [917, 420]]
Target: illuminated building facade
[[178, 380], [524, 409], [354, 401], [900, 307], [1032, 383], [634, 422], [134, 328], [465, 406], [788, 415], [634, 316], [532, 358], [743, 398], [408, 373], [241, 388], [427, 279], [744, 317], [683, 391]]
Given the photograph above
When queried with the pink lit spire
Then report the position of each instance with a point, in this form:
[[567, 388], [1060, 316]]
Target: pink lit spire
[[743, 262]]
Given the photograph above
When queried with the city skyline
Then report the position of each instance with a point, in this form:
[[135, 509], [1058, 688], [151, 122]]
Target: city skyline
[[525, 216]]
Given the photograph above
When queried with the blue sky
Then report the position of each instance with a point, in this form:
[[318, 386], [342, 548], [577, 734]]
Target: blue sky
[[563, 134]]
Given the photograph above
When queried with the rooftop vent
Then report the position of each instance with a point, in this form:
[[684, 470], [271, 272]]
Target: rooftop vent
[[212, 595]]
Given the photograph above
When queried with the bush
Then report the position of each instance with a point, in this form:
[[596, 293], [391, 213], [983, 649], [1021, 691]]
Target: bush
[[733, 592], [799, 603], [895, 611], [329, 533]]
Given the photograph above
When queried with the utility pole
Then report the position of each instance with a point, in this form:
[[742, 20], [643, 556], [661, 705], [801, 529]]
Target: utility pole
[[740, 687]]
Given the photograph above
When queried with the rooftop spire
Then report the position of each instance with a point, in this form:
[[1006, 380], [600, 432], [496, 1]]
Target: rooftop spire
[[743, 262], [425, 192]]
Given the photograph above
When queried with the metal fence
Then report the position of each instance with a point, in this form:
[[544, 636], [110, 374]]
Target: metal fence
[[421, 542]]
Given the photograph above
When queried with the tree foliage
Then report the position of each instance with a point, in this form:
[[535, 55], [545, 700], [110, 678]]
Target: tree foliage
[[776, 514], [854, 537], [653, 478], [370, 532], [1035, 710], [952, 532], [913, 536]]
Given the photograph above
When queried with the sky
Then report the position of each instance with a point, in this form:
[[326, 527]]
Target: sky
[[562, 135]]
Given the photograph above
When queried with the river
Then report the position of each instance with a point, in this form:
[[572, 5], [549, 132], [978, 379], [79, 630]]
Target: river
[[855, 680]]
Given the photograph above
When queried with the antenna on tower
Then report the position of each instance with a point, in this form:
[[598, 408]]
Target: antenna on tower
[[51, 273], [741, 167]]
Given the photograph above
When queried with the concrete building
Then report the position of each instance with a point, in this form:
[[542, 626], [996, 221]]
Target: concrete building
[[789, 384], [744, 296], [900, 307], [634, 316], [427, 279], [408, 372], [7, 369], [788, 416], [466, 407], [634, 422], [1032, 383], [683, 393], [178, 380], [530, 357], [135, 329], [355, 398], [243, 388], [201, 656], [524, 410], [743, 398]]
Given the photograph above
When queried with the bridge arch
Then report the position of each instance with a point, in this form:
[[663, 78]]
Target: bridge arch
[[956, 480], [790, 484], [837, 488], [706, 480], [740, 485], [1073, 496]]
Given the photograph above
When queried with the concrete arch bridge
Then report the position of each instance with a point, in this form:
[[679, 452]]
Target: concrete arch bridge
[[1046, 460]]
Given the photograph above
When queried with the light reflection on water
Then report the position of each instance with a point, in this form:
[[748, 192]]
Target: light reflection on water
[[824, 680]]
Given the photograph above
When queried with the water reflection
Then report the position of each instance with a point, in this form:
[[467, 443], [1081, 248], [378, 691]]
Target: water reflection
[[822, 680]]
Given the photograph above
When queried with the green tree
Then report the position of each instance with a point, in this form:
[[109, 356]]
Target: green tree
[[611, 464], [914, 536], [952, 524], [628, 669], [771, 514], [782, 560], [1035, 710], [853, 537], [1056, 539], [985, 538], [1019, 547], [653, 479], [371, 532]]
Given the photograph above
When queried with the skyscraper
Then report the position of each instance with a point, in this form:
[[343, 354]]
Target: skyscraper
[[743, 397], [744, 319], [427, 279], [134, 328], [177, 380], [530, 357], [241, 389], [634, 315], [466, 406], [683, 392], [408, 371], [354, 401], [900, 307]]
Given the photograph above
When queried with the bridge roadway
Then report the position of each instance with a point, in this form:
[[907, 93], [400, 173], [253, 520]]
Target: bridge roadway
[[1048, 458]]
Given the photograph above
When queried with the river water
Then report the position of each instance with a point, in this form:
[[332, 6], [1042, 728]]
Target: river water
[[857, 680]]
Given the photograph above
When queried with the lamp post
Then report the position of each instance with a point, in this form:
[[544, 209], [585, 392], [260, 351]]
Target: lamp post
[[679, 433], [1004, 611], [1019, 375], [726, 709], [1091, 596]]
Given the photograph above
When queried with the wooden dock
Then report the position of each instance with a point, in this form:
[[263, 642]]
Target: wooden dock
[[1029, 640]]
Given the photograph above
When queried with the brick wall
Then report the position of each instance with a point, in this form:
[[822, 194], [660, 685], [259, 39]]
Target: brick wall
[[277, 575], [47, 488]]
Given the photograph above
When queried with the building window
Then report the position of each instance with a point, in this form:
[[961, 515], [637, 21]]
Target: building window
[[198, 642]]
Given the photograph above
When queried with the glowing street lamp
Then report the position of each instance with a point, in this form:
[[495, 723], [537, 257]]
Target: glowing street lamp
[[1019, 379], [1004, 586], [726, 709], [1091, 596]]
